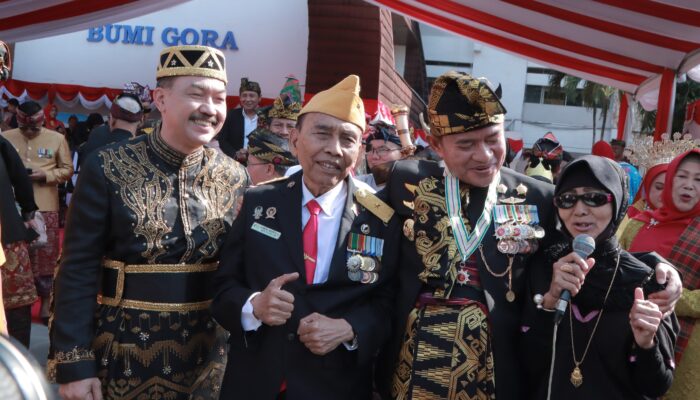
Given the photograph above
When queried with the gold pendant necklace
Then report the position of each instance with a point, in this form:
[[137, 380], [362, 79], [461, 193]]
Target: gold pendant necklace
[[576, 377]]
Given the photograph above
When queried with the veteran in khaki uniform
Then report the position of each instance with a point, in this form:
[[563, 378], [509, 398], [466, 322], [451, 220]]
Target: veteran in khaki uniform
[[304, 286], [145, 227]]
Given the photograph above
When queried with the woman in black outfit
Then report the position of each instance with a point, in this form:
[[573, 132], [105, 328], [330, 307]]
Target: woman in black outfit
[[611, 342]]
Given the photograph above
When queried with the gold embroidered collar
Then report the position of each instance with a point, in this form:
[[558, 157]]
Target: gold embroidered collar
[[170, 155]]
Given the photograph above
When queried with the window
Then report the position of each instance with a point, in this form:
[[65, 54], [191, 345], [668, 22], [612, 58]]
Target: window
[[554, 96], [546, 95], [533, 94], [545, 71]]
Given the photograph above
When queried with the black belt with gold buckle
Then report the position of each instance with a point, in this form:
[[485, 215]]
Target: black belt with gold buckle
[[157, 287]]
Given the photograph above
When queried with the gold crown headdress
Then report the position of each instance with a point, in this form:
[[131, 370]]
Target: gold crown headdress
[[645, 153]]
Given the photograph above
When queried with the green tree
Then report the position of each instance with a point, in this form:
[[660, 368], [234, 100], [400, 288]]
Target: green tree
[[594, 96]]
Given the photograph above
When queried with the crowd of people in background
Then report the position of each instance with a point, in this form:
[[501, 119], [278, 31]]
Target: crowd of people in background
[[325, 258]]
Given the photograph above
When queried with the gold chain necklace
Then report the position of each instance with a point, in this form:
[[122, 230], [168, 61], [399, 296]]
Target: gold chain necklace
[[510, 294], [576, 375]]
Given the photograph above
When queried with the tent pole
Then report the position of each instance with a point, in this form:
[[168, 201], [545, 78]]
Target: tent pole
[[664, 110]]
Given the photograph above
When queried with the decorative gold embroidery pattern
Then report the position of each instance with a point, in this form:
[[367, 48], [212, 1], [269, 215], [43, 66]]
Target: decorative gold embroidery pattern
[[75, 355], [432, 247], [144, 189], [160, 268], [215, 188], [145, 356]]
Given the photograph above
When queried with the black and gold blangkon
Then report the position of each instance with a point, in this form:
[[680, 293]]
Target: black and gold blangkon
[[150, 226]]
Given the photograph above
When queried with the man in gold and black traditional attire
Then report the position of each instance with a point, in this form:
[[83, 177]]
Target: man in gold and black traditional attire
[[144, 232], [471, 231]]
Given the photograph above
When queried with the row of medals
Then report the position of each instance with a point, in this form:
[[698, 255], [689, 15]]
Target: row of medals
[[362, 269], [518, 238]]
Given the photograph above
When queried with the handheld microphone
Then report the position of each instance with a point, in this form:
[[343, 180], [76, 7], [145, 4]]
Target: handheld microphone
[[583, 245]]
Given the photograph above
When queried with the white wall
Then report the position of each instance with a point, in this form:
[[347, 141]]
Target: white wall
[[444, 46], [272, 38]]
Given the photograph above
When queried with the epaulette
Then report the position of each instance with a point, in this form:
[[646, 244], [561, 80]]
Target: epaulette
[[273, 180], [374, 205]]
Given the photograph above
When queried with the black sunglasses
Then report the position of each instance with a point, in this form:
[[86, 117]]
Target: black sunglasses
[[592, 199]]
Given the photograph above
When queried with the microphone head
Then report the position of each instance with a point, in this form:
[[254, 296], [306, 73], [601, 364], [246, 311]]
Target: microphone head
[[583, 245]]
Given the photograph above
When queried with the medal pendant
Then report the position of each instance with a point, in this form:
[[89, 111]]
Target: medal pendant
[[462, 277], [510, 296], [576, 377]]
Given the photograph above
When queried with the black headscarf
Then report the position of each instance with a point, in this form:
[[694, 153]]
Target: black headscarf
[[606, 175]]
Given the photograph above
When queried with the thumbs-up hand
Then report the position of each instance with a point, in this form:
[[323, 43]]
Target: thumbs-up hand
[[273, 306], [645, 318]]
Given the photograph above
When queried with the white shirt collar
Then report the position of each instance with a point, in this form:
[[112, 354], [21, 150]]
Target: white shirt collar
[[329, 200]]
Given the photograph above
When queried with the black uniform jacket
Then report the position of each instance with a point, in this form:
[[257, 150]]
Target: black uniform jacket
[[259, 361], [231, 135], [504, 317]]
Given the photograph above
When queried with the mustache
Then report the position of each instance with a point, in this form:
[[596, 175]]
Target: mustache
[[200, 116]]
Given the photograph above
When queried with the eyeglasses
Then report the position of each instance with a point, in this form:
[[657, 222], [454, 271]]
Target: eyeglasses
[[592, 199], [380, 151]]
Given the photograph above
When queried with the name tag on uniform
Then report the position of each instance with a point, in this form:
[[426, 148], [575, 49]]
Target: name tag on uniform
[[265, 230]]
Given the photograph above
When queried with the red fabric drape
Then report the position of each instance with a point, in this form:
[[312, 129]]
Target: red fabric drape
[[607, 26], [692, 112], [541, 36], [658, 10], [60, 11], [524, 49], [663, 110], [622, 117]]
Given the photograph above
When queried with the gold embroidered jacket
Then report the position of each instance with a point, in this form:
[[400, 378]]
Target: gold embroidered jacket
[[138, 202]]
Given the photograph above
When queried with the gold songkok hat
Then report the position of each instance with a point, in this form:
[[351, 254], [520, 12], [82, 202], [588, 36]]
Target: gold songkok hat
[[461, 103], [342, 101], [192, 61], [268, 147], [284, 107]]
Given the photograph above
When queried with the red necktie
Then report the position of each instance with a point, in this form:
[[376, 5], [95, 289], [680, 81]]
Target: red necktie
[[309, 237]]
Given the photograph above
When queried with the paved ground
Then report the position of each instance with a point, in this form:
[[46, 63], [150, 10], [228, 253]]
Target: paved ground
[[39, 346]]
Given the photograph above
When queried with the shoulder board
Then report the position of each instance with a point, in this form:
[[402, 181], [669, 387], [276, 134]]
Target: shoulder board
[[281, 178], [374, 205]]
